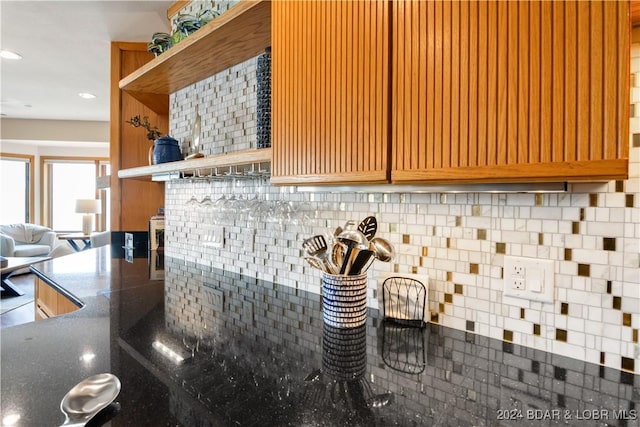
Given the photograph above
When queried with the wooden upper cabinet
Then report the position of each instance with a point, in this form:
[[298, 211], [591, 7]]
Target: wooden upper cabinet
[[510, 91], [330, 92]]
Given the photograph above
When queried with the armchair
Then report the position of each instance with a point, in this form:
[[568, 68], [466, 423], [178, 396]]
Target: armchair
[[26, 240]]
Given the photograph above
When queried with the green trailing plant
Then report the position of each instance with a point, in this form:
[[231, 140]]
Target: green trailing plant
[[152, 131]]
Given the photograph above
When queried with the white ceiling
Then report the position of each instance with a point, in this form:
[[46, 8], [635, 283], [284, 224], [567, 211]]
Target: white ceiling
[[66, 50]]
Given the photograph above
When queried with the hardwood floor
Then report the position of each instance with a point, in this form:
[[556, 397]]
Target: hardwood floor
[[19, 310]]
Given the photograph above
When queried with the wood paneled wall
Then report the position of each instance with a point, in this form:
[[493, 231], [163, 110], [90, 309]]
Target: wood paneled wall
[[508, 91], [330, 91], [133, 202]]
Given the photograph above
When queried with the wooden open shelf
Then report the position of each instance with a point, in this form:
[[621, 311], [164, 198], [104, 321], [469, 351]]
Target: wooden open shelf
[[203, 164], [240, 33]]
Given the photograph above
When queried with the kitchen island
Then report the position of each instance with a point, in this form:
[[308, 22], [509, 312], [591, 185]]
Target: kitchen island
[[197, 346]]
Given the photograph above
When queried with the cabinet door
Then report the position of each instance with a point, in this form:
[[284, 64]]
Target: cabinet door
[[330, 91], [510, 91]]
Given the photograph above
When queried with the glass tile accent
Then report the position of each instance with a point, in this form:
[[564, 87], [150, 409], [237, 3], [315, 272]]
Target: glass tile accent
[[567, 254], [471, 326], [602, 357], [449, 276], [575, 227], [617, 303], [636, 140], [448, 242], [507, 335], [434, 317], [539, 199], [627, 364], [609, 243], [593, 200], [501, 248], [619, 186], [406, 239], [476, 210], [564, 308], [482, 234], [536, 329], [448, 298], [458, 221], [582, 214], [584, 270], [609, 286], [414, 270], [457, 289], [559, 373], [425, 251], [541, 238], [561, 335], [629, 200], [441, 308], [535, 366], [634, 336], [522, 313], [626, 319], [474, 268]]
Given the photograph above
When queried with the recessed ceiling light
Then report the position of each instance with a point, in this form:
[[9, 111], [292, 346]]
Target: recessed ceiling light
[[7, 54], [86, 95]]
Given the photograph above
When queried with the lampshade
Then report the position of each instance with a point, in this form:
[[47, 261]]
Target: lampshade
[[88, 206]]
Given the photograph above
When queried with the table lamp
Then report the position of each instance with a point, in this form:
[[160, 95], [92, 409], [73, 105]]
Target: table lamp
[[88, 207]]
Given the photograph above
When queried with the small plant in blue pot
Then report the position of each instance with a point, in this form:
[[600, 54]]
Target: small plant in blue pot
[[165, 148]]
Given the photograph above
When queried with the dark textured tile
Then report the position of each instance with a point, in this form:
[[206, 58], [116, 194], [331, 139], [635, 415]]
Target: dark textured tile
[[575, 227], [536, 329], [471, 326], [627, 364], [602, 357], [609, 243], [559, 374], [564, 308], [608, 286], [629, 200], [561, 335], [584, 270], [567, 254], [593, 200], [522, 313], [582, 213], [619, 186], [617, 303]]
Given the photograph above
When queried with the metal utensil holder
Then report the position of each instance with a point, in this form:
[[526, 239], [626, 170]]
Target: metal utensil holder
[[404, 300], [403, 348]]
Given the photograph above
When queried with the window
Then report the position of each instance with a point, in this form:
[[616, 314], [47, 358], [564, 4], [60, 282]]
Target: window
[[65, 181], [16, 188]]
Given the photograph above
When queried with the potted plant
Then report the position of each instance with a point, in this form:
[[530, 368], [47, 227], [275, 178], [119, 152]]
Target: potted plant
[[165, 149]]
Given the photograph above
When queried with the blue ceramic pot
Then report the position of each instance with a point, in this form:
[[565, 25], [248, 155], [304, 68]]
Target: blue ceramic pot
[[166, 149]]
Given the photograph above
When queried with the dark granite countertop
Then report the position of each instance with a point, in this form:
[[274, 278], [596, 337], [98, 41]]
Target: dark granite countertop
[[259, 354]]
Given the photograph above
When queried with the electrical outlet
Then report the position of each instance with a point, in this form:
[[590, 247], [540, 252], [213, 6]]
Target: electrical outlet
[[528, 278]]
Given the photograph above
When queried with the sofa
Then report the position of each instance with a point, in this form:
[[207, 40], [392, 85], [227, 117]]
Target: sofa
[[26, 240]]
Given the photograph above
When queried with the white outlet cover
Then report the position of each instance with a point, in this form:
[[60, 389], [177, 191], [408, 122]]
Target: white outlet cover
[[538, 280]]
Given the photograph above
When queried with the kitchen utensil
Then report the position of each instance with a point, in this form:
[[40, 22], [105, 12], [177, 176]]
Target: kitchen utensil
[[314, 262], [89, 397], [382, 249], [316, 247], [353, 238], [368, 227], [360, 261], [337, 253]]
